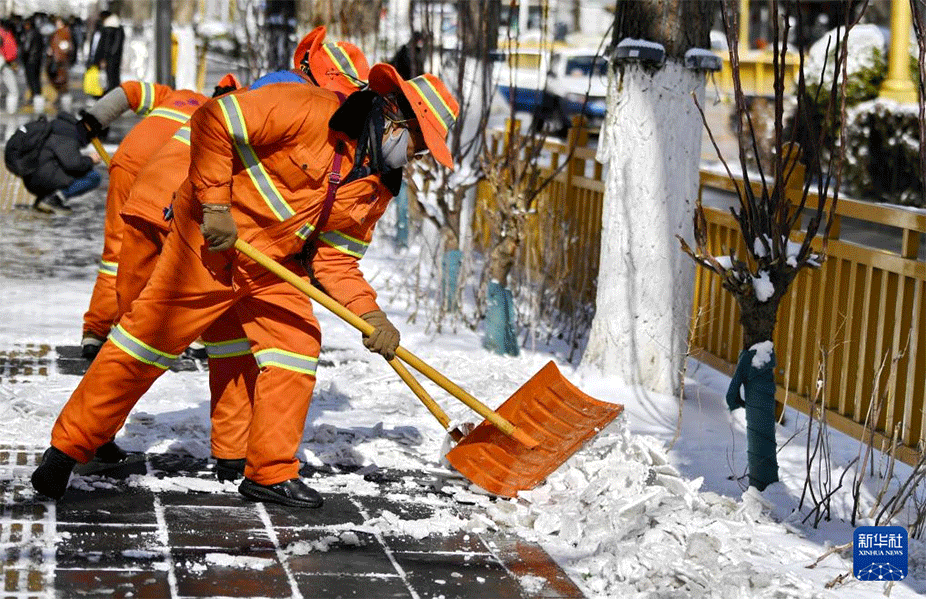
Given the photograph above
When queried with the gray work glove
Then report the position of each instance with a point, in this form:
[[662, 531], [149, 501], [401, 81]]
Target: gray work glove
[[219, 228], [385, 338]]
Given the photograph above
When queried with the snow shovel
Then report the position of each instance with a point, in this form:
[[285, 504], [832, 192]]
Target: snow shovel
[[516, 447]]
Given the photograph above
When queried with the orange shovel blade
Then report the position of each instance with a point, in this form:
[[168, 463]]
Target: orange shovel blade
[[548, 408]]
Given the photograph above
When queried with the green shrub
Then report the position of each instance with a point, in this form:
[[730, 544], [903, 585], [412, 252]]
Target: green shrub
[[883, 152]]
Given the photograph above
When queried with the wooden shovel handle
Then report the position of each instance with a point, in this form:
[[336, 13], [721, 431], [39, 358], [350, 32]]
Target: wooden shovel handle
[[364, 327]]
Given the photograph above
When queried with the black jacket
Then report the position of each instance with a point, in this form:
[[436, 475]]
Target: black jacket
[[30, 48], [60, 160]]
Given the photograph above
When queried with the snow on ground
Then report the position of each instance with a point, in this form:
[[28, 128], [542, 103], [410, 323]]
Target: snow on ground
[[626, 517]]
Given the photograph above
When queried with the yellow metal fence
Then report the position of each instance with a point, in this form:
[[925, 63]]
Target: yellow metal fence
[[863, 308], [854, 326]]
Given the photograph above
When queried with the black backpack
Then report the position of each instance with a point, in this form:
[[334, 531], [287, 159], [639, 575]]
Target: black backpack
[[22, 149]]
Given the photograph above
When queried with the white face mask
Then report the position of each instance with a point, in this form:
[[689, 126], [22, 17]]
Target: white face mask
[[395, 149]]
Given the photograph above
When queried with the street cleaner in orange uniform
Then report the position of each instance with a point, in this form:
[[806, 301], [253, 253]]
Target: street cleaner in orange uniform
[[337, 66], [164, 110], [284, 167]]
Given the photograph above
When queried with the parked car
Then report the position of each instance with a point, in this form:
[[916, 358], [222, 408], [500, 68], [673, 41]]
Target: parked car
[[553, 85]]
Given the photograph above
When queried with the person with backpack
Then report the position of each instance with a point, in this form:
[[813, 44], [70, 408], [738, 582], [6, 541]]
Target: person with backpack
[[46, 155], [8, 53]]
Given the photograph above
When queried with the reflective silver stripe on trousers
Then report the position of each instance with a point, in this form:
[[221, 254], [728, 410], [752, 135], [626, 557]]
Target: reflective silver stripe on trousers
[[228, 349], [344, 243], [140, 350], [287, 360], [236, 126]]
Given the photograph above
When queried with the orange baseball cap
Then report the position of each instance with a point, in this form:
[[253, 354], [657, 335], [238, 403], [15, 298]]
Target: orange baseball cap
[[434, 106], [336, 66]]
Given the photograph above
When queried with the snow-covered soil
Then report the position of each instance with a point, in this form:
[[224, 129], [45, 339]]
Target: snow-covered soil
[[625, 517]]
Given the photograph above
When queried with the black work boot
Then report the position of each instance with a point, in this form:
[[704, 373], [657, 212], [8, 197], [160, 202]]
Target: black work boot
[[293, 492], [110, 453], [52, 476], [229, 469], [90, 346]]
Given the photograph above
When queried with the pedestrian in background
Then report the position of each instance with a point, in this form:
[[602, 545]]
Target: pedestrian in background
[[9, 50], [60, 53], [106, 49], [31, 52]]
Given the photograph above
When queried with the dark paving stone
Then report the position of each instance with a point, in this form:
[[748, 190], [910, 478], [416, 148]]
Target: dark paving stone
[[197, 576], [149, 584], [375, 505], [359, 587], [459, 542], [338, 509], [24, 361], [455, 575], [27, 510], [322, 552], [528, 559], [204, 500], [107, 506], [175, 463], [228, 528], [69, 360], [83, 545]]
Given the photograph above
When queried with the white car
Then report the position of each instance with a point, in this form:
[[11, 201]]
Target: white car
[[554, 85]]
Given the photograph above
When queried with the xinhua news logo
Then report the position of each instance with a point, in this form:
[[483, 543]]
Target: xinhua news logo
[[880, 553]]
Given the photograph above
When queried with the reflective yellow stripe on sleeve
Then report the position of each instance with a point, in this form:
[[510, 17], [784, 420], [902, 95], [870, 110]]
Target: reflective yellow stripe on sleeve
[[109, 268], [146, 104], [170, 113], [234, 120], [183, 134], [344, 243]]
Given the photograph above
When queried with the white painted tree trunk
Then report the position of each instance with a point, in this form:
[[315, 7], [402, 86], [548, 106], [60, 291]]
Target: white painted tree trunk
[[651, 142]]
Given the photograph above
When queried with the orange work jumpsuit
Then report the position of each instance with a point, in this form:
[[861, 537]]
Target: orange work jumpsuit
[[232, 369], [164, 109], [273, 147]]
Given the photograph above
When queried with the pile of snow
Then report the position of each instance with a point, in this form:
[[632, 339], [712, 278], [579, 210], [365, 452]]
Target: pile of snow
[[867, 50]]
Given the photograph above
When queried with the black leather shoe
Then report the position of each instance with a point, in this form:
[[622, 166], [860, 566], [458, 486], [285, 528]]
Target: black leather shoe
[[52, 476], [110, 453], [229, 469], [293, 492]]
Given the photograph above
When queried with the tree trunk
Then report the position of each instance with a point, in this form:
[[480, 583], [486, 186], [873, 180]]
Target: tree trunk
[[651, 139]]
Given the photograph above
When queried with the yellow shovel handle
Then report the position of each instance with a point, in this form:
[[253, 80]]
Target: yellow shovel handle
[[364, 327], [104, 155]]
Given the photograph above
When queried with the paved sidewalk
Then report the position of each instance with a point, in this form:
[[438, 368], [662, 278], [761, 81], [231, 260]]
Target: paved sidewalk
[[118, 540]]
